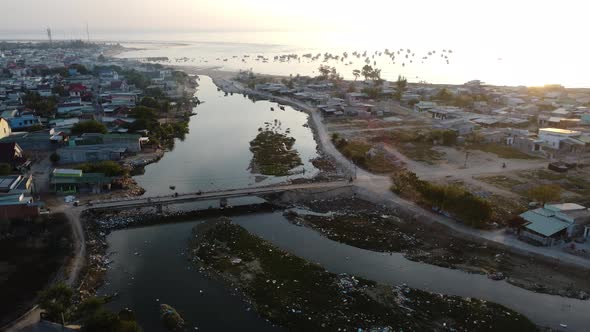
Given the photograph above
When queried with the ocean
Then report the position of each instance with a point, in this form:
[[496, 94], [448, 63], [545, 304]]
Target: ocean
[[452, 61]]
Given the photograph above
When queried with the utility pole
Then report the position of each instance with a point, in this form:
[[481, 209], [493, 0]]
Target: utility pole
[[49, 36], [87, 33]]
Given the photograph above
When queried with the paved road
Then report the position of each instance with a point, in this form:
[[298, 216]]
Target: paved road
[[211, 195]]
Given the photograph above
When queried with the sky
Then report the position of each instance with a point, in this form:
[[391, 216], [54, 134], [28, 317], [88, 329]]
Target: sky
[[515, 19]]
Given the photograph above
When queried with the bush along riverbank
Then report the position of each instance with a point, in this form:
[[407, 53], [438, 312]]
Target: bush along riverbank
[[364, 225], [301, 296]]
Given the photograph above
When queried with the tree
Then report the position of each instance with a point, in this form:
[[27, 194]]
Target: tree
[[149, 102], [444, 95], [54, 158], [57, 302], [324, 72], [91, 126], [402, 85], [367, 72], [545, 193], [356, 73]]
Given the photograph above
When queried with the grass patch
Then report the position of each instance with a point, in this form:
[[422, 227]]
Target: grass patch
[[501, 151], [358, 152], [420, 152], [501, 181], [301, 296]]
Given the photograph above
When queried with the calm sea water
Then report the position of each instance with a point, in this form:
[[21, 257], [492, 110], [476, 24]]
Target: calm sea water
[[492, 61]]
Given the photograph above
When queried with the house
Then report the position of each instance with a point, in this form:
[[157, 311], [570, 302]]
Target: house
[[70, 181], [424, 106], [552, 136], [5, 129], [460, 126], [90, 153], [12, 154], [23, 121], [39, 140], [16, 200], [553, 223], [124, 99]]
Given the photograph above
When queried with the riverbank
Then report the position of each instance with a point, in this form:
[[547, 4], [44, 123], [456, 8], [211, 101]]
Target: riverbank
[[98, 225], [376, 188], [299, 295], [368, 226]]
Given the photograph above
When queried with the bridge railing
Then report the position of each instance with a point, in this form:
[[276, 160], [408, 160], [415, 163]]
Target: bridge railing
[[155, 199]]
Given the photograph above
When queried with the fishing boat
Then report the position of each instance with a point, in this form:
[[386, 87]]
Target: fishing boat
[[172, 187]]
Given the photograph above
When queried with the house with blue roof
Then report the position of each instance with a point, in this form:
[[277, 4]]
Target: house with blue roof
[[553, 223]]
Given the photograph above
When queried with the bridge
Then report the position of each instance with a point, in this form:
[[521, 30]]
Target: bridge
[[222, 195]]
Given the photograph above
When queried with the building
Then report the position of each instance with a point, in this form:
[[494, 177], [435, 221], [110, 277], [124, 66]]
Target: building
[[70, 181], [5, 129], [553, 223], [16, 200], [424, 106], [90, 153], [23, 121], [552, 136], [13, 155]]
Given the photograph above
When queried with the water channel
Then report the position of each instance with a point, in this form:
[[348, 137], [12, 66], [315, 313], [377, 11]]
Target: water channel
[[150, 265]]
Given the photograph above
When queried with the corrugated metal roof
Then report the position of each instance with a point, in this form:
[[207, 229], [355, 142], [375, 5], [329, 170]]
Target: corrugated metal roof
[[546, 226]]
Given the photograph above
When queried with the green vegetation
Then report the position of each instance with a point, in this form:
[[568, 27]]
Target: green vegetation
[[453, 199], [370, 73], [446, 97], [501, 181], [502, 151], [165, 133], [5, 169], [273, 153], [467, 207], [91, 126], [402, 86], [54, 157], [31, 253], [545, 193], [358, 153], [301, 296], [417, 144], [107, 167], [43, 106], [57, 301], [328, 73]]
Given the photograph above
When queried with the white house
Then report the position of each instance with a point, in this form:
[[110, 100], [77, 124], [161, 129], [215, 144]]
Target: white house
[[552, 136]]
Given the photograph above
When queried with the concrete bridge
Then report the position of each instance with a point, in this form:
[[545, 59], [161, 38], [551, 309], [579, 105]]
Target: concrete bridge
[[222, 195]]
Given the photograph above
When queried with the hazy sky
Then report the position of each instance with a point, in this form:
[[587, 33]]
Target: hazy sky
[[513, 19]]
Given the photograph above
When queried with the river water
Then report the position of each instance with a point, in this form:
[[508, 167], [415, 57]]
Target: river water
[[161, 271], [215, 154], [150, 266]]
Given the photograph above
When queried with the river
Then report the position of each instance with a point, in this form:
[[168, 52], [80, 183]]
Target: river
[[216, 152], [160, 271], [150, 266]]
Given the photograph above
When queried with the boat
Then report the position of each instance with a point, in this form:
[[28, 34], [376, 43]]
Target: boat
[[172, 187]]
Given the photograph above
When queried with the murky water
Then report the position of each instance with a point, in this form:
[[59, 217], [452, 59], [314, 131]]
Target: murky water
[[161, 271], [216, 153]]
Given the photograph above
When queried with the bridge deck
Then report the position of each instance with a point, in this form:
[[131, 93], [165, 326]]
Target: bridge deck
[[211, 195]]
